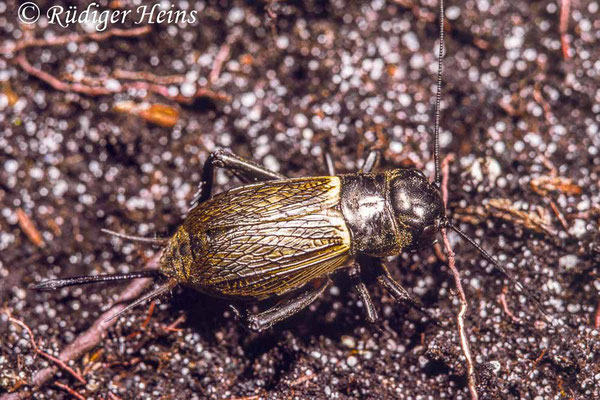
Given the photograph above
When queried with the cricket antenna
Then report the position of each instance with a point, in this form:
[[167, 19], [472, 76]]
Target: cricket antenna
[[438, 101], [518, 285], [147, 297], [136, 238], [53, 284]]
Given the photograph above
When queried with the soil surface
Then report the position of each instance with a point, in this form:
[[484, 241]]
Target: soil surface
[[289, 80]]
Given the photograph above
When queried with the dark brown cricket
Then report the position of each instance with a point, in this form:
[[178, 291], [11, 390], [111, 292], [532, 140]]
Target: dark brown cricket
[[283, 237]]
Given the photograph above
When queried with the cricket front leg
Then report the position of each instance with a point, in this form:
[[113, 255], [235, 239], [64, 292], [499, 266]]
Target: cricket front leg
[[399, 293], [360, 287]]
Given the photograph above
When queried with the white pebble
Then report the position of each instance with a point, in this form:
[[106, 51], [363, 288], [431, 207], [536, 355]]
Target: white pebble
[[248, 99], [188, 89], [271, 163], [11, 166], [236, 15], [300, 120], [568, 261], [352, 361], [452, 13], [578, 229]]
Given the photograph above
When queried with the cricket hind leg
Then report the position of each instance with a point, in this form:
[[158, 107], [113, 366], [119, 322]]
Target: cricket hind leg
[[245, 170], [284, 309]]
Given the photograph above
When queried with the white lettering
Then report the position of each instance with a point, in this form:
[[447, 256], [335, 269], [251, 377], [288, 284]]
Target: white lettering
[[53, 15]]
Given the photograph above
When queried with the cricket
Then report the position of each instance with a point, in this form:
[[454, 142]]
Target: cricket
[[300, 199], [283, 237]]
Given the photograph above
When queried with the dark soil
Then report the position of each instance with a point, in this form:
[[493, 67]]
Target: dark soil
[[304, 77]]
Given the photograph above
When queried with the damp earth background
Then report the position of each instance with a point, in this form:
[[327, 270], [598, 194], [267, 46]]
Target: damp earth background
[[302, 77]]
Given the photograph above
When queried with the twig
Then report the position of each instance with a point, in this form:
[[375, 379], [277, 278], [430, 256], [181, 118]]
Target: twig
[[120, 88], [148, 76], [221, 57], [565, 10], [58, 84], [544, 185], [460, 318], [301, 380], [560, 216], [537, 219], [173, 326], [145, 323], [29, 228], [504, 304], [41, 352], [69, 390], [445, 172], [538, 359], [597, 317], [150, 312], [75, 38], [90, 338]]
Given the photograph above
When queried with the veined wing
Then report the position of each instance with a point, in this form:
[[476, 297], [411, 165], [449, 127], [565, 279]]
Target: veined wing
[[267, 201], [272, 257]]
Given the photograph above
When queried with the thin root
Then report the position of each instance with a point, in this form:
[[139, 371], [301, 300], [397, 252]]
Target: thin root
[[69, 390], [504, 304], [94, 335], [104, 90], [460, 318], [565, 10], [41, 352], [75, 38], [597, 317]]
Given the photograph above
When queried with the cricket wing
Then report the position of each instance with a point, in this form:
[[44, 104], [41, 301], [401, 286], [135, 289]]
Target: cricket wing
[[266, 201], [273, 257]]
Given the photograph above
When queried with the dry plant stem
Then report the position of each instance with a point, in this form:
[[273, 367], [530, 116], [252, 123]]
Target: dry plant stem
[[69, 390], [565, 10], [75, 38], [58, 84], [560, 216], [41, 352], [597, 317], [104, 91], [29, 228], [148, 76], [151, 83], [94, 335], [445, 166], [504, 304], [460, 318], [173, 327], [221, 57]]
